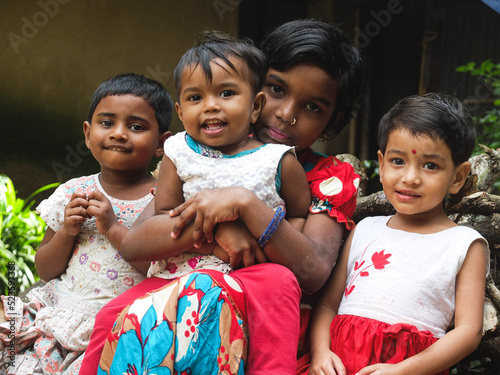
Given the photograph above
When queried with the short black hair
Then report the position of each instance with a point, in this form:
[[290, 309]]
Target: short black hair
[[318, 43], [211, 45], [434, 115], [134, 84]]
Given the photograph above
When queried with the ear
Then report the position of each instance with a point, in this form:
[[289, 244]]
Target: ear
[[461, 173], [161, 141], [258, 103], [86, 132], [380, 165], [178, 109]]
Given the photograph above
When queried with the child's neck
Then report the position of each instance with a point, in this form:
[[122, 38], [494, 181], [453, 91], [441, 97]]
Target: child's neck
[[245, 144], [425, 223], [126, 186]]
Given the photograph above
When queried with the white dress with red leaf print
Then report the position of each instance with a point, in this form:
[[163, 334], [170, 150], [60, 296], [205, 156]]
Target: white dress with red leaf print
[[402, 277]]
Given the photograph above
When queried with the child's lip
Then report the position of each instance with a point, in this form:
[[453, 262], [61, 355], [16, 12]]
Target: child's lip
[[408, 193], [119, 148], [276, 134]]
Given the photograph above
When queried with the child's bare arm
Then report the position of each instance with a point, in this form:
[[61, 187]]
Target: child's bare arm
[[319, 243], [323, 360], [294, 189], [169, 193], [464, 337], [149, 237], [55, 250]]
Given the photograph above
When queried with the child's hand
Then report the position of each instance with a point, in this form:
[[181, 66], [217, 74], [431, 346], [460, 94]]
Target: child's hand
[[101, 209], [235, 239], [220, 253], [326, 362], [207, 208], [75, 213]]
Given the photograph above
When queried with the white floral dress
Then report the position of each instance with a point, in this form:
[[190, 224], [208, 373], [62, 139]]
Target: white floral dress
[[55, 325]]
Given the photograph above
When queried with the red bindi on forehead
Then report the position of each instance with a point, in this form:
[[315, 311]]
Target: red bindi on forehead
[[413, 151]]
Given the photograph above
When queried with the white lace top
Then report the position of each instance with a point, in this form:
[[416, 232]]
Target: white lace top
[[200, 168]]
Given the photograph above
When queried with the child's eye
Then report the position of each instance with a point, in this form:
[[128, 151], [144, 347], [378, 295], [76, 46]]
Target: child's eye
[[194, 98], [431, 166], [398, 161], [275, 89], [226, 93], [106, 123], [136, 127], [312, 107]]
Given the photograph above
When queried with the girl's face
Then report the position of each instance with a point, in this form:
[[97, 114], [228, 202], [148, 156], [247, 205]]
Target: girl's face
[[124, 134], [218, 113], [304, 95], [418, 172]]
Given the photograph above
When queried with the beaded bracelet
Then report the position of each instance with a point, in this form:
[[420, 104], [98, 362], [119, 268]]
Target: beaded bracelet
[[271, 228]]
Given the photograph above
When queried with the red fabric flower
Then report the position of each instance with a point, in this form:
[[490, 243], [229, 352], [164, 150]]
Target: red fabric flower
[[379, 260]]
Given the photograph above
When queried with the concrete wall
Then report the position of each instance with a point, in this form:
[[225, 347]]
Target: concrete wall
[[54, 54]]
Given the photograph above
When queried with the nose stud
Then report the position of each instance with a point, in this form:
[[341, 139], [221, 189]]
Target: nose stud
[[293, 122]]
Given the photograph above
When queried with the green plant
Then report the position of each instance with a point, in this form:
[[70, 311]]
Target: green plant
[[489, 121], [21, 231]]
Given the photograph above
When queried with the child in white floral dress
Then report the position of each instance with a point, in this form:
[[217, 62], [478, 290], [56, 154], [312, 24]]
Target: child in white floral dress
[[87, 218]]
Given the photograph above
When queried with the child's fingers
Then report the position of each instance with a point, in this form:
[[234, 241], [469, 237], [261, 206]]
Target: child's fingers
[[260, 256], [208, 230], [248, 259], [182, 220], [97, 195], [235, 260], [198, 236], [78, 194], [180, 209]]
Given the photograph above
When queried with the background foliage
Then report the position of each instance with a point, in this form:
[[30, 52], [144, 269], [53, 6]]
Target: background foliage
[[21, 231]]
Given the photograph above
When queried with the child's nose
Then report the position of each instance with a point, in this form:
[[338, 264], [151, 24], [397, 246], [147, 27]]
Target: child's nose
[[411, 176], [120, 132], [286, 112], [211, 103]]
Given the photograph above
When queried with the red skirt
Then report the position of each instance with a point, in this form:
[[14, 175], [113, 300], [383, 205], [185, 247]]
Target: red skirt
[[360, 342]]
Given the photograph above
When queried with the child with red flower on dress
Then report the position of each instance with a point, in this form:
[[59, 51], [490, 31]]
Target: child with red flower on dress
[[403, 280]]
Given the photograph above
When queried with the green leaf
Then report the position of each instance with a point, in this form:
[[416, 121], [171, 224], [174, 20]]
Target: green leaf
[[487, 65]]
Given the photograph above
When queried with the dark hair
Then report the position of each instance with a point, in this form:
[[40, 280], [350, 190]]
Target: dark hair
[[434, 115], [319, 43], [215, 44], [150, 90]]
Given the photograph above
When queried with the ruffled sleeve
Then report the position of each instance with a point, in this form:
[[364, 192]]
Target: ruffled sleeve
[[51, 209], [334, 187]]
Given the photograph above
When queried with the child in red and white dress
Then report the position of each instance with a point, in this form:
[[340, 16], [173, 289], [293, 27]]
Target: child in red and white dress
[[402, 281]]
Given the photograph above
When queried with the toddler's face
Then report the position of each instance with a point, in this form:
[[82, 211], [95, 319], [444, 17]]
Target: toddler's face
[[218, 113], [124, 134], [305, 93]]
